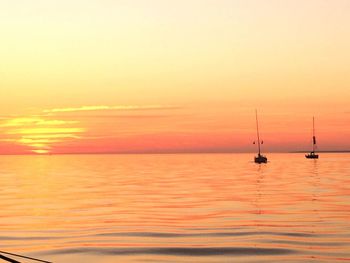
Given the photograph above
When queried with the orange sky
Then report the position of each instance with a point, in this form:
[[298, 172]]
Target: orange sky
[[173, 76]]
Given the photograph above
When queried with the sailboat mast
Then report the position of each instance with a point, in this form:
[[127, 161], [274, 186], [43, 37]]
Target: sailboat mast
[[257, 129], [313, 134]]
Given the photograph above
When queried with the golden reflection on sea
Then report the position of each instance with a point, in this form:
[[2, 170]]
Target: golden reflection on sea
[[176, 208]]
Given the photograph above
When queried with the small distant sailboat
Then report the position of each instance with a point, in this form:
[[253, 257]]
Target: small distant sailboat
[[259, 158], [312, 154]]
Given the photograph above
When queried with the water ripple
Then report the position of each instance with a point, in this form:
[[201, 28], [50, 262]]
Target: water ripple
[[178, 251], [214, 234]]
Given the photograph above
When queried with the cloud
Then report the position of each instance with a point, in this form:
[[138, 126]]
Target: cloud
[[51, 136], [104, 107], [55, 131], [30, 121]]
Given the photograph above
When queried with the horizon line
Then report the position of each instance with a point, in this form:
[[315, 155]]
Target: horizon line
[[168, 153]]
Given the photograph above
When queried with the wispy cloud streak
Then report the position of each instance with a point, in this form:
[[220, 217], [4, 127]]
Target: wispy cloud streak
[[47, 130], [36, 121], [104, 107]]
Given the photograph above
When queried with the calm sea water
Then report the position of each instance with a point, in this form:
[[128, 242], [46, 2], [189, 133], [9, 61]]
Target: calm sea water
[[176, 208]]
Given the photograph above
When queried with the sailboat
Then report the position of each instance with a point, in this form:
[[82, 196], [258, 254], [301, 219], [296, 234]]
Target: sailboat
[[312, 154], [259, 158]]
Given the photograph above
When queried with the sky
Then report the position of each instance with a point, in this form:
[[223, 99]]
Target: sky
[[161, 76]]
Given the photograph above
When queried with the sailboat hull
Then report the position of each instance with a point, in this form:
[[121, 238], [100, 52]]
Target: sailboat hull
[[311, 156], [260, 159]]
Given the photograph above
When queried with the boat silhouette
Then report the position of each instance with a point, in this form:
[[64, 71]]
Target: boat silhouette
[[259, 158], [312, 154]]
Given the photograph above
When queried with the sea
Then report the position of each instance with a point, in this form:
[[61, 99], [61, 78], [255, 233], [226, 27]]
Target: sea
[[175, 208]]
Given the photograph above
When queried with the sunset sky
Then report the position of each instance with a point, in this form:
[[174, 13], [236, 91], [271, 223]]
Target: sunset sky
[[136, 76]]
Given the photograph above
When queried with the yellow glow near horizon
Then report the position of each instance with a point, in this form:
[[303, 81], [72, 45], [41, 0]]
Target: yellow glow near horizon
[[39, 133], [41, 151]]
